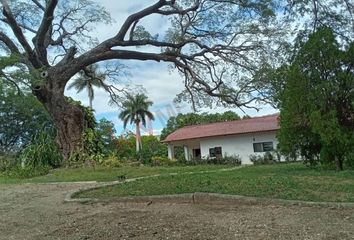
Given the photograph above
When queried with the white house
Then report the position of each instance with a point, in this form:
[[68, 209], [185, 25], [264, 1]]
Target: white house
[[241, 137]]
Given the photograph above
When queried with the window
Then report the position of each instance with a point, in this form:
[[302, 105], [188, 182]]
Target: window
[[258, 147], [263, 147], [212, 152], [215, 152], [218, 151], [268, 146]]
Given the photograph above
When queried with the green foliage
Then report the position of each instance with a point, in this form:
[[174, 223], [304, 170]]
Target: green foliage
[[106, 132], [152, 147], [36, 159], [182, 120], [21, 118], [136, 110], [42, 152], [317, 101], [7, 162], [89, 115], [90, 151], [266, 158], [162, 161], [111, 162], [225, 160]]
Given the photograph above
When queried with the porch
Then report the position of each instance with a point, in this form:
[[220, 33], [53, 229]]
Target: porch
[[191, 149]]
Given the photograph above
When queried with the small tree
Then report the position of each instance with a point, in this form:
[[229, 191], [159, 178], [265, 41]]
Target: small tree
[[136, 110]]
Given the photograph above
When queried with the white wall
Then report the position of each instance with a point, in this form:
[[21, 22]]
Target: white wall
[[241, 145]]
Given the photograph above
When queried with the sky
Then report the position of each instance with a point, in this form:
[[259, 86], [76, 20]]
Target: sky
[[161, 83]]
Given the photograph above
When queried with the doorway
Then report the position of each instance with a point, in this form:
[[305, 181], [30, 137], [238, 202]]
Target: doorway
[[197, 153]]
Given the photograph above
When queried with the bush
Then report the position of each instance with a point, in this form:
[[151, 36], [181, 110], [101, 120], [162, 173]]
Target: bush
[[90, 152], [226, 160], [152, 147], [43, 151], [35, 160], [349, 161], [111, 162], [267, 158], [7, 162], [162, 161]]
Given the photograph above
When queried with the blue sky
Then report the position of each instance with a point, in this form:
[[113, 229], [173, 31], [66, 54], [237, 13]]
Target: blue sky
[[162, 83]]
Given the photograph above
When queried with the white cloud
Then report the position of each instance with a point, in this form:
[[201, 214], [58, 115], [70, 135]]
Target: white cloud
[[162, 86]]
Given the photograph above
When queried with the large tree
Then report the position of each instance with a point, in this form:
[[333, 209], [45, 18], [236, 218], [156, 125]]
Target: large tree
[[317, 100], [215, 44]]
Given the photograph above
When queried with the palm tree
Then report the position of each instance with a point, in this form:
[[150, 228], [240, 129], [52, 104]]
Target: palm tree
[[88, 78], [136, 110]]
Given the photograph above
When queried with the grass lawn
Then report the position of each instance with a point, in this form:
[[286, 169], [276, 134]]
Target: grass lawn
[[284, 181], [105, 174]]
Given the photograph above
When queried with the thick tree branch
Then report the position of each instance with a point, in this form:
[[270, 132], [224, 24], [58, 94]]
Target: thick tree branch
[[21, 25], [137, 16], [9, 43], [38, 4], [19, 34], [42, 34]]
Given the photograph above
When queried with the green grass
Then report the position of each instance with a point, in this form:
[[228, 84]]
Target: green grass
[[282, 181], [105, 174]]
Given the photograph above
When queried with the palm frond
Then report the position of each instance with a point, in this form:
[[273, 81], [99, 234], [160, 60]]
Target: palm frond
[[136, 109]]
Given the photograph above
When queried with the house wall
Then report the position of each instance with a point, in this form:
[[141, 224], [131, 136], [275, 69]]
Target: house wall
[[241, 145]]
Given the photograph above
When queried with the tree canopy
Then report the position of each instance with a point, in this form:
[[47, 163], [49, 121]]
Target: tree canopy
[[317, 100], [21, 118]]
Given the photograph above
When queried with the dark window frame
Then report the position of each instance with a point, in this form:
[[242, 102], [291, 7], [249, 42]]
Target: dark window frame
[[215, 152], [264, 147]]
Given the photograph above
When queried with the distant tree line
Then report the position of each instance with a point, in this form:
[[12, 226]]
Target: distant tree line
[[182, 120]]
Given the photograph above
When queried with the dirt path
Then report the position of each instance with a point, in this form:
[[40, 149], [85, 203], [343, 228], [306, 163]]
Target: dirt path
[[38, 212]]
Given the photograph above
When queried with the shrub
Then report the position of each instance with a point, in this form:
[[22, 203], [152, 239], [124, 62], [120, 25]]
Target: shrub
[[43, 151], [349, 161], [111, 162], [162, 161], [7, 162], [152, 147], [90, 152], [267, 158], [226, 160]]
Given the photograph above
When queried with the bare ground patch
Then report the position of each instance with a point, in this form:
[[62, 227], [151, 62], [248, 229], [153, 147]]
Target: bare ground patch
[[39, 212]]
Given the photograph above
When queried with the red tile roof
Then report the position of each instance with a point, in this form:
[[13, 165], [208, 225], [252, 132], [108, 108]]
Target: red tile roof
[[257, 124]]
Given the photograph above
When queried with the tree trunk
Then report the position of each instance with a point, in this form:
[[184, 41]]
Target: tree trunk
[[69, 119], [91, 103], [137, 137], [339, 163]]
